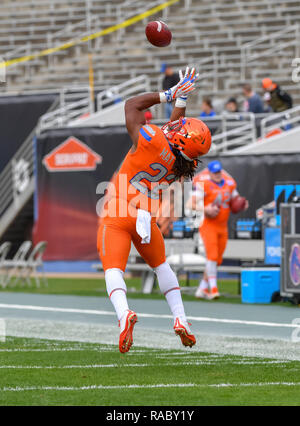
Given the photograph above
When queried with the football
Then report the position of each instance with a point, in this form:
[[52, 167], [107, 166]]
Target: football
[[237, 204], [158, 34]]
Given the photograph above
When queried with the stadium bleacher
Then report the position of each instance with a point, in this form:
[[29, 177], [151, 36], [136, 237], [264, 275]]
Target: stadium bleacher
[[201, 30]]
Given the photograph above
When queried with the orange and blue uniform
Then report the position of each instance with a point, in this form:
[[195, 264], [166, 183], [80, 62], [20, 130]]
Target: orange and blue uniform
[[143, 175], [214, 231]]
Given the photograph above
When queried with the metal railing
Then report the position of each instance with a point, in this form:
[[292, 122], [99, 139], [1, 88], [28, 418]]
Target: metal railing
[[61, 116], [283, 120], [123, 91], [257, 49], [74, 102], [238, 129], [77, 102], [231, 139]]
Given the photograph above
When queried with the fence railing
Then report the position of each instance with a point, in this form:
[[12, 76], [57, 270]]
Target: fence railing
[[278, 42], [77, 102], [283, 120], [231, 139], [61, 116], [122, 91], [237, 129]]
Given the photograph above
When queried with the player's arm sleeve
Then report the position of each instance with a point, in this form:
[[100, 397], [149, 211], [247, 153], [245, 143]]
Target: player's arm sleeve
[[198, 189], [197, 195]]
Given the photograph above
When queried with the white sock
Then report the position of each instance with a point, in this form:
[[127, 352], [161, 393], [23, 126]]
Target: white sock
[[211, 270], [212, 282], [169, 286], [116, 289], [203, 284]]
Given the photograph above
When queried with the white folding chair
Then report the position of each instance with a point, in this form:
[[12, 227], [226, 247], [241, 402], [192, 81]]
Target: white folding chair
[[15, 265], [4, 250], [34, 261]]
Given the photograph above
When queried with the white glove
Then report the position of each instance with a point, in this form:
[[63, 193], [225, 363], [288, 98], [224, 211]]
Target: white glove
[[185, 85]]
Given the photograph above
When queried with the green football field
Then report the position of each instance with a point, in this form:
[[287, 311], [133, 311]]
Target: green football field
[[96, 287], [41, 372], [229, 289]]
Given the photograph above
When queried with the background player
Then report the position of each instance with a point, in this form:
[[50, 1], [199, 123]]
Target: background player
[[216, 187], [157, 158]]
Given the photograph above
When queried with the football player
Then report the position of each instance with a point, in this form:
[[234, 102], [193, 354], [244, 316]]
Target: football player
[[158, 157], [216, 187]]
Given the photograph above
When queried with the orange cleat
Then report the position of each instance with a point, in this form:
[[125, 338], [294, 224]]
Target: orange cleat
[[202, 293], [214, 293], [182, 329], [126, 325]]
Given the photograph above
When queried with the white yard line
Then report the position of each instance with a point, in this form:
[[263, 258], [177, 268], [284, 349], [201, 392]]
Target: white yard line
[[143, 315], [138, 365], [53, 309], [163, 385], [155, 341], [140, 352]]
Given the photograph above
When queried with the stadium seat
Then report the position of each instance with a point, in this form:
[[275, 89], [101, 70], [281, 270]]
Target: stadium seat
[[14, 266], [22, 266]]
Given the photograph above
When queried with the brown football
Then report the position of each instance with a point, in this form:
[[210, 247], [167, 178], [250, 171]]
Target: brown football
[[158, 34], [237, 204]]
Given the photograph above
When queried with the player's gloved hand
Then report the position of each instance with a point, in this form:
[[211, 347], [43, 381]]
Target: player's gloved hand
[[181, 100], [185, 85]]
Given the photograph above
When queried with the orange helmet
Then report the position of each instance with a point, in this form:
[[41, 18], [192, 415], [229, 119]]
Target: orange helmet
[[190, 136]]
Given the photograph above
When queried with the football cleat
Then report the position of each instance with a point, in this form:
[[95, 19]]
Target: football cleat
[[214, 293], [202, 293], [126, 325], [182, 329]]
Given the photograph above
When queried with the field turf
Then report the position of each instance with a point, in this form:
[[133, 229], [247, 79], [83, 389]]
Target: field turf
[[40, 372], [96, 287]]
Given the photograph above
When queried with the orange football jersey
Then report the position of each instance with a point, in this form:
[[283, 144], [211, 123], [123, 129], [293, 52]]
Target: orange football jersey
[[144, 173], [219, 194]]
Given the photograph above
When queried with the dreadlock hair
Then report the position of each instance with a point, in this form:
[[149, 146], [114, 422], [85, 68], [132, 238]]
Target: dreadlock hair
[[183, 167]]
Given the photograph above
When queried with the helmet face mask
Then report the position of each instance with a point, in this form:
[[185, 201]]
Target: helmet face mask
[[173, 127], [190, 136]]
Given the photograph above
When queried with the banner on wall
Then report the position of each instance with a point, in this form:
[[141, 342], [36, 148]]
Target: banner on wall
[[72, 155]]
